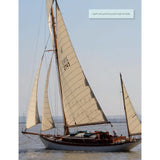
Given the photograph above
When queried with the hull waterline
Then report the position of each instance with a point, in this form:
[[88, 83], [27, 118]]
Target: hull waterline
[[55, 145]]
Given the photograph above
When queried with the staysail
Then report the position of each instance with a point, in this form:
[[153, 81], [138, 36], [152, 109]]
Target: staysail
[[80, 105], [133, 122], [47, 120], [33, 115]]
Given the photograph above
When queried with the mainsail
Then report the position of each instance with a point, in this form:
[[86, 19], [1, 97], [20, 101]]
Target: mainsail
[[47, 121], [79, 103], [133, 122], [33, 116]]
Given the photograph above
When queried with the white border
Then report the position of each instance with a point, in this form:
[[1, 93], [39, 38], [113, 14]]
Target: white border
[[150, 79], [9, 79]]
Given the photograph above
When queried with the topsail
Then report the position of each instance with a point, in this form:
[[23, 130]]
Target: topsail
[[49, 6]]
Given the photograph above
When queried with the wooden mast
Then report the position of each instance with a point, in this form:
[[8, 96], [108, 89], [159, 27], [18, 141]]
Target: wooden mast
[[124, 106], [66, 129]]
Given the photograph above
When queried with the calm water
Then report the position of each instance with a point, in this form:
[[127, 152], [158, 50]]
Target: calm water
[[31, 147]]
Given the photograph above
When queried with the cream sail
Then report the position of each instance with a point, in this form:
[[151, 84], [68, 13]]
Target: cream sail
[[47, 120], [49, 4], [133, 122], [80, 105], [33, 115]]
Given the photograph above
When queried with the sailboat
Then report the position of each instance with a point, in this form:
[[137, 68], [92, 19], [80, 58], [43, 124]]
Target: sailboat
[[79, 105]]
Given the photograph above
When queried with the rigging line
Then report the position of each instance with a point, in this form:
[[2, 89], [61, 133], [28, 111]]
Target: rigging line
[[53, 86], [58, 86], [53, 81], [46, 42], [50, 99], [44, 53], [34, 55], [35, 140], [58, 101], [60, 131], [45, 76], [49, 94], [45, 20], [38, 33]]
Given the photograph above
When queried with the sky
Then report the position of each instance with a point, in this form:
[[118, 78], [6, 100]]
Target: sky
[[104, 48]]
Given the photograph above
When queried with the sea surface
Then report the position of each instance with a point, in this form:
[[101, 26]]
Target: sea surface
[[31, 147]]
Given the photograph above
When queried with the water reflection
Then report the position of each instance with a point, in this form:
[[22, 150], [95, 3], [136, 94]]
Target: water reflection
[[43, 154]]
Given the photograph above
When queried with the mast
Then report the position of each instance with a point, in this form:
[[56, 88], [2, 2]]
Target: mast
[[66, 129], [124, 106]]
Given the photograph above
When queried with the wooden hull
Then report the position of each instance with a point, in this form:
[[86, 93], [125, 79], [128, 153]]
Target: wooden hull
[[59, 145]]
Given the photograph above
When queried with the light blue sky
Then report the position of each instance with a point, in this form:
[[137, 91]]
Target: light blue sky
[[104, 48]]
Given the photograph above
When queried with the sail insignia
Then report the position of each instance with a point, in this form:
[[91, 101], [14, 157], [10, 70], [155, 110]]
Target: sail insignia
[[47, 120], [79, 102], [33, 115], [133, 122]]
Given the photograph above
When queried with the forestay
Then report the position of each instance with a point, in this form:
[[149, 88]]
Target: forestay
[[80, 104], [33, 115], [134, 125], [47, 121]]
